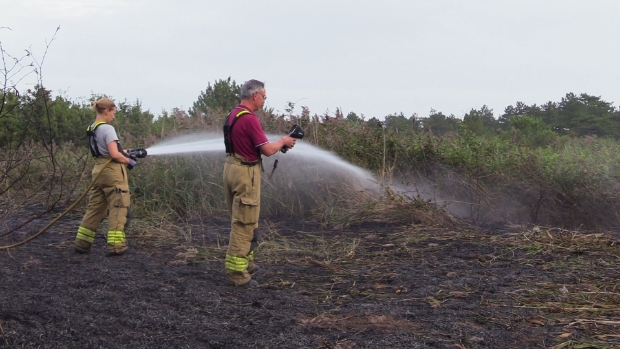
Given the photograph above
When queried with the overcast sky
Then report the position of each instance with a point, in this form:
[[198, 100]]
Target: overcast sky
[[371, 57]]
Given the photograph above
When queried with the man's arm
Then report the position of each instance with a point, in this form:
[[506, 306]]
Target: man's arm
[[269, 149]]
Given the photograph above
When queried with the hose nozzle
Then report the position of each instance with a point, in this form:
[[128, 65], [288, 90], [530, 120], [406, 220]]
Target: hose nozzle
[[296, 132], [138, 153]]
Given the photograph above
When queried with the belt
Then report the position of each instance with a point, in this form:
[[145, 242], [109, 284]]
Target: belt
[[250, 163], [239, 160]]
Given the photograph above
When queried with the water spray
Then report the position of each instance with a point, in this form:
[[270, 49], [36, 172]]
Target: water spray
[[214, 143]]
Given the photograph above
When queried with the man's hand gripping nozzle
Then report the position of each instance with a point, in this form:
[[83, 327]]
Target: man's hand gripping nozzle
[[296, 132]]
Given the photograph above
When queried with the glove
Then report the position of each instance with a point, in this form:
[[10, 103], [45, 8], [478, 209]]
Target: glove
[[132, 163]]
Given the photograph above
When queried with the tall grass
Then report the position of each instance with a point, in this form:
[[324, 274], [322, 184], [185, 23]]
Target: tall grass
[[572, 182], [35, 174], [190, 187]]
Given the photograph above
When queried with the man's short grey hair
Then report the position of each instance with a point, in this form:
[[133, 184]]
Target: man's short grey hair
[[250, 87]]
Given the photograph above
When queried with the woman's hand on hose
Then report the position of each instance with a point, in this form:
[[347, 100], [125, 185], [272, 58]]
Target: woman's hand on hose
[[132, 163]]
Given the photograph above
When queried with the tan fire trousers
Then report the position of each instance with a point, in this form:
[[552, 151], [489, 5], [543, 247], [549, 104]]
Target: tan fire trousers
[[108, 197], [242, 188]]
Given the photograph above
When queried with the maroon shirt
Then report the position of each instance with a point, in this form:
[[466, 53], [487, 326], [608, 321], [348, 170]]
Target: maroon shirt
[[247, 134]]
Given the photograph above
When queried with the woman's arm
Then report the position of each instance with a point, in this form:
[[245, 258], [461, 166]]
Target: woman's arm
[[115, 154]]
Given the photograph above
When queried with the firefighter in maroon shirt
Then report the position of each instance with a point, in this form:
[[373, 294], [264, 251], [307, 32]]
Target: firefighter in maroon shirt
[[245, 142]]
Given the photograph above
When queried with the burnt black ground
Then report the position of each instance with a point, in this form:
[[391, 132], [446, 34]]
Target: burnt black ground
[[438, 289]]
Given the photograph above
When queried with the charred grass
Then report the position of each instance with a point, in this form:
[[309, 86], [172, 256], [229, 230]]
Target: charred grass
[[397, 274], [448, 284]]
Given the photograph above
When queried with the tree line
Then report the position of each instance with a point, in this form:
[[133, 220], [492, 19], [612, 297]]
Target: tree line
[[37, 115]]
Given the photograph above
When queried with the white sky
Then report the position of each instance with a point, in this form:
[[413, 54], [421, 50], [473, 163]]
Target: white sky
[[371, 57]]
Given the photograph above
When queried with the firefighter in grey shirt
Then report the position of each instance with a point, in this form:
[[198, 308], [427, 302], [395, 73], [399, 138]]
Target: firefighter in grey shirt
[[110, 194]]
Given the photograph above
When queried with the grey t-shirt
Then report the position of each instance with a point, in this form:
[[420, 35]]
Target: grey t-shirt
[[105, 134]]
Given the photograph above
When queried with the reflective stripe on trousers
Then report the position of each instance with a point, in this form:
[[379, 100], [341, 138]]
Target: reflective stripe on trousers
[[85, 234], [236, 263], [116, 237]]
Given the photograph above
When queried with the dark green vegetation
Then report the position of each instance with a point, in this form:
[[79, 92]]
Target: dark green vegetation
[[555, 164]]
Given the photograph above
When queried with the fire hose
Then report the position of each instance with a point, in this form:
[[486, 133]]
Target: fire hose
[[135, 153]]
